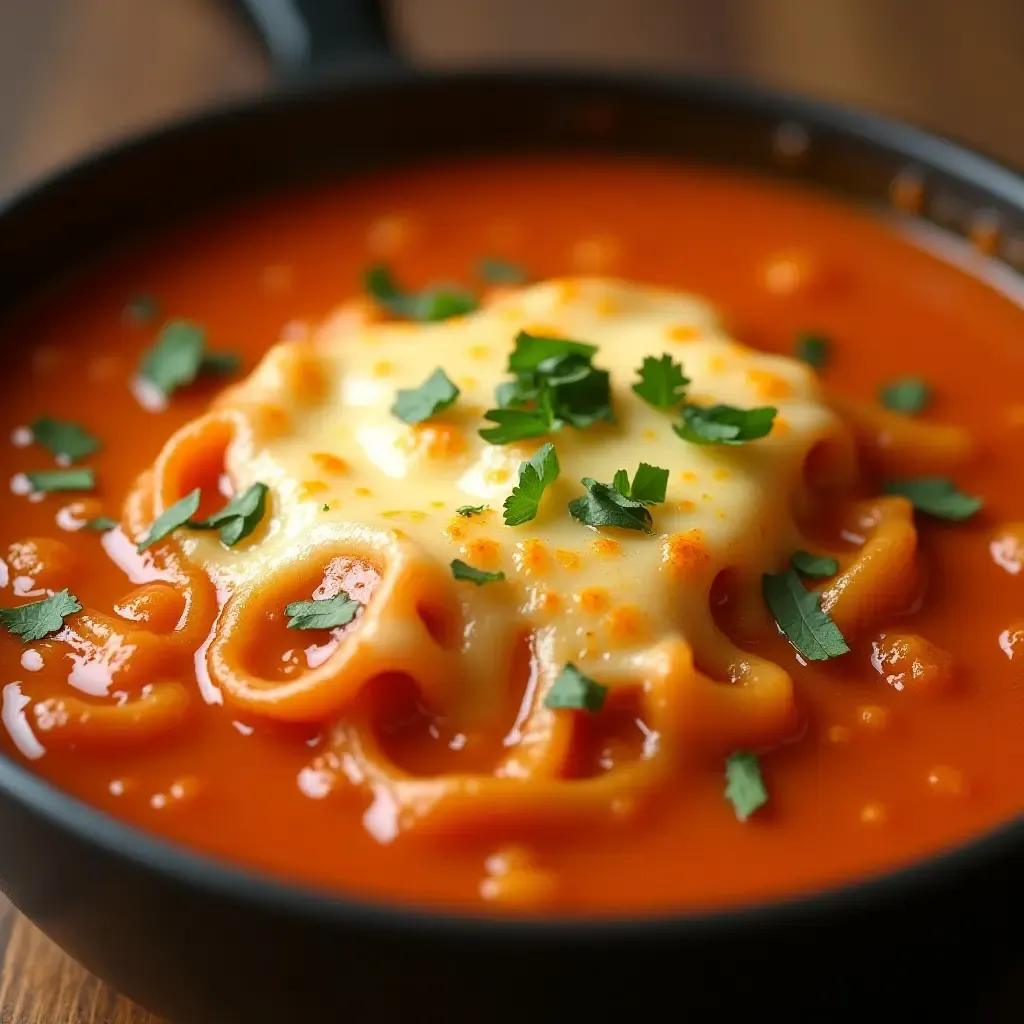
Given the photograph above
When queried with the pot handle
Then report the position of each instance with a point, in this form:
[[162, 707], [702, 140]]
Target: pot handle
[[303, 36]]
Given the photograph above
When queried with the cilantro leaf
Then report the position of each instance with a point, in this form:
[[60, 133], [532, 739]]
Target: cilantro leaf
[[744, 787], [813, 348], [175, 357], [581, 396], [650, 484], [574, 691], [662, 383], [64, 438], [466, 511], [170, 519], [178, 356], [414, 405], [908, 395], [328, 613], [438, 302], [495, 270], [101, 524], [798, 614], [462, 571], [532, 351], [534, 476], [40, 618], [82, 479], [604, 505], [555, 384], [239, 517], [935, 496], [520, 424], [724, 424], [816, 567], [141, 309]]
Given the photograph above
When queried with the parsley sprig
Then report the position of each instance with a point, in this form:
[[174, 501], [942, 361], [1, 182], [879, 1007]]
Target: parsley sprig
[[535, 475], [724, 424], [555, 383], [621, 503], [239, 517], [936, 496], [64, 438], [40, 618], [745, 788], [662, 382], [798, 613], [909, 395], [464, 571], [179, 355], [235, 521], [436, 393], [327, 613], [574, 691], [436, 302]]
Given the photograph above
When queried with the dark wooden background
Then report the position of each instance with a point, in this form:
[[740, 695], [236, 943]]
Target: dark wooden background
[[77, 73]]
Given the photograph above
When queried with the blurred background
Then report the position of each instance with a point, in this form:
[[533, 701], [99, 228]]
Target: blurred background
[[76, 73]]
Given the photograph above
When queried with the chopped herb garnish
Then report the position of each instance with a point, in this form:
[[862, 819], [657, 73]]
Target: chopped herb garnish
[[329, 613], [555, 384], [815, 567], [470, 510], [64, 438], [438, 302], [414, 405], [239, 517], [574, 691], [142, 309], [813, 348], [534, 476], [170, 519], [495, 270], [40, 618], [521, 424], [650, 483], [82, 479], [724, 424], [935, 496], [178, 356], [462, 571], [744, 787], [908, 395], [662, 382], [799, 615], [605, 505], [101, 524], [537, 353], [325, 508]]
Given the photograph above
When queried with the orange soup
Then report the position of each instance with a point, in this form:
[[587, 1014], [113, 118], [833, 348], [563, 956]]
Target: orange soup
[[523, 535]]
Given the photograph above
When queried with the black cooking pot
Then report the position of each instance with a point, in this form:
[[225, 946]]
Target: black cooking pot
[[205, 943]]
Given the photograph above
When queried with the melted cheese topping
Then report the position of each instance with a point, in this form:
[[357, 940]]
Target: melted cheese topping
[[343, 470]]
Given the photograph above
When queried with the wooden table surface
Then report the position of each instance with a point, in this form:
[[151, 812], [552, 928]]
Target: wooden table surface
[[77, 73]]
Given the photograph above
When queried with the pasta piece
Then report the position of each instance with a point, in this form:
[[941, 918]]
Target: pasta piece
[[392, 635], [159, 710], [891, 444], [881, 580]]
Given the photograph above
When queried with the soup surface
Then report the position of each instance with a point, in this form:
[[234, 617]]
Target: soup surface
[[785, 651]]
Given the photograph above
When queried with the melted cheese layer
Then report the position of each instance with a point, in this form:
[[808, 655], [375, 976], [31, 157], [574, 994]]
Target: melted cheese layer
[[346, 474]]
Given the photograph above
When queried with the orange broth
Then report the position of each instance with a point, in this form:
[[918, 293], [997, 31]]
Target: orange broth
[[878, 777]]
